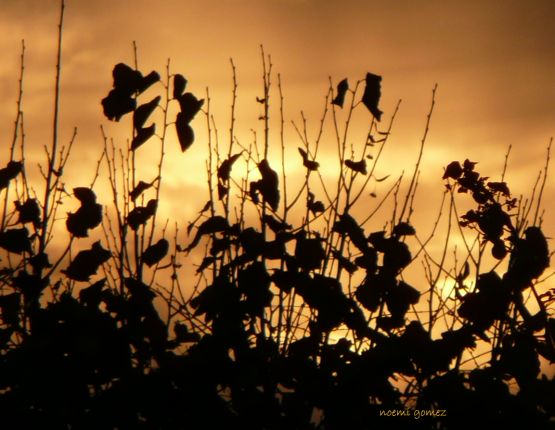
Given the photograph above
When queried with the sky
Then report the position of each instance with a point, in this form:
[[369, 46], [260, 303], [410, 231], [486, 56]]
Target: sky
[[493, 62]]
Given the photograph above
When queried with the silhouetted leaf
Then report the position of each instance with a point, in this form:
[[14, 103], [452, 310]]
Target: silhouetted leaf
[[396, 256], [500, 187], [154, 253], [267, 186], [39, 262], [141, 214], [345, 263], [15, 240], [92, 296], [403, 229], [179, 84], [142, 113], [314, 206], [10, 307], [185, 133], [357, 166], [342, 88], [254, 282], [225, 168], [88, 216], [372, 93], [348, 225], [498, 250], [309, 253], [183, 335], [215, 224], [140, 188], [310, 165], [12, 169], [190, 106], [126, 79], [86, 263], [529, 259], [276, 225], [118, 103], [142, 136], [148, 81], [29, 211], [400, 297], [453, 170]]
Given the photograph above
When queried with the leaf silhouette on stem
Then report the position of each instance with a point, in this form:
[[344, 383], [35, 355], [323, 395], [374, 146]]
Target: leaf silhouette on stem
[[342, 89], [12, 169], [357, 166], [86, 263], [267, 186], [29, 212], [179, 84], [88, 216], [310, 165], [155, 252], [372, 93], [141, 214], [15, 240], [215, 224]]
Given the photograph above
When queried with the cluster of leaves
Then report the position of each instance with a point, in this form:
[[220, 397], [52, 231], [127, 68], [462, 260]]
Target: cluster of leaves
[[275, 339]]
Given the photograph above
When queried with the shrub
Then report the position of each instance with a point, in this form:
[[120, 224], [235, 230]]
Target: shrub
[[302, 313]]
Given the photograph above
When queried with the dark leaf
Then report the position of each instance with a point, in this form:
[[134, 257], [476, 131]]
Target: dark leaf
[[276, 225], [403, 229], [142, 113], [499, 187], [310, 165], [396, 256], [342, 88], [142, 136], [372, 93], [268, 185], [29, 211], [39, 262], [15, 240], [454, 170], [179, 84], [10, 307], [140, 188], [183, 335], [118, 103], [86, 263], [225, 168], [348, 225], [206, 262], [222, 191], [313, 205], [141, 214], [345, 263], [357, 166], [92, 296], [12, 169], [185, 133], [88, 216], [86, 196], [154, 253], [148, 81], [254, 283], [309, 253], [215, 224], [190, 106], [126, 79]]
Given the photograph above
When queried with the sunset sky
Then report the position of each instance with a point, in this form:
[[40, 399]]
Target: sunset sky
[[493, 61]]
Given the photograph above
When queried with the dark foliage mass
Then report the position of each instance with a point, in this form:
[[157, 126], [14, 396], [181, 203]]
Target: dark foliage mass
[[100, 354]]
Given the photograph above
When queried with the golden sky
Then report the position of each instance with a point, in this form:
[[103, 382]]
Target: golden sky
[[493, 61]]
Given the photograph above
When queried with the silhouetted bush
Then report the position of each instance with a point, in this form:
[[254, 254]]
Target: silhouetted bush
[[299, 318]]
